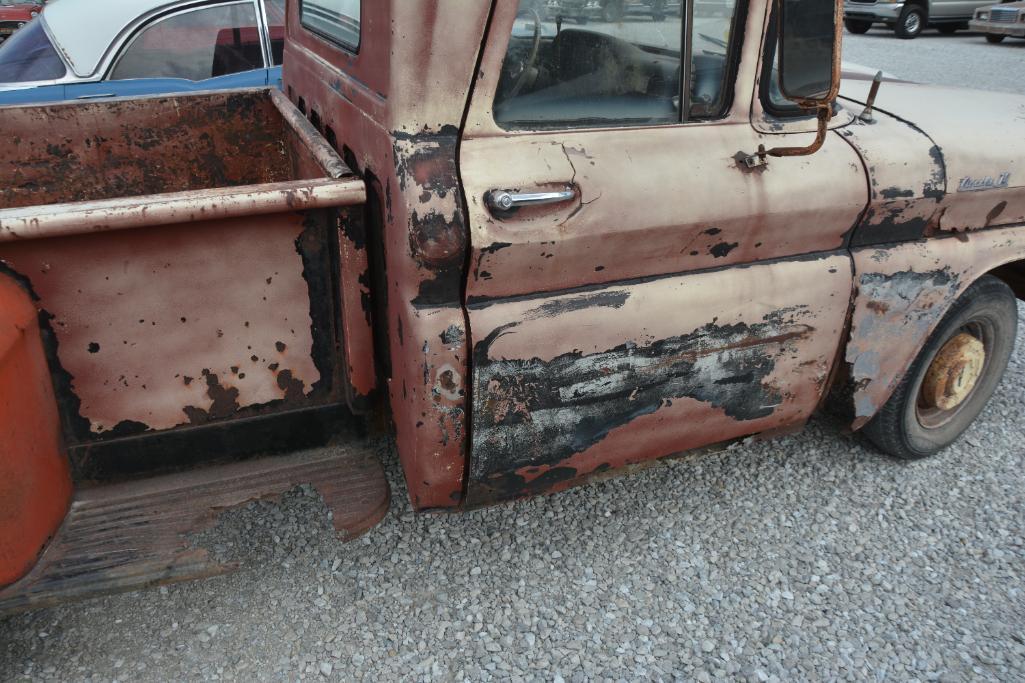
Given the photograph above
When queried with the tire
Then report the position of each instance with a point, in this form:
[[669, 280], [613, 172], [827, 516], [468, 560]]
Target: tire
[[910, 23], [905, 428], [994, 38], [612, 11], [948, 29], [857, 26]]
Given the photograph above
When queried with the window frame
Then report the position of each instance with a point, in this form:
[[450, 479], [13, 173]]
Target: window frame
[[738, 25], [731, 68], [153, 20], [332, 40], [770, 52]]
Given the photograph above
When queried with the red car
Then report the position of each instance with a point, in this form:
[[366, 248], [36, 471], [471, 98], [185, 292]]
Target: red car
[[14, 16]]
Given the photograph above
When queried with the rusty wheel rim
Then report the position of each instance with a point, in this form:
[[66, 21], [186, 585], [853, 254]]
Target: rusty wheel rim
[[953, 375]]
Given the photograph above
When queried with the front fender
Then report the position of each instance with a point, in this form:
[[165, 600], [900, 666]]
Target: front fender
[[902, 293]]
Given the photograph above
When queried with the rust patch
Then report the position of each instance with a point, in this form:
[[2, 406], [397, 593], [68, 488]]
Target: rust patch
[[225, 401], [151, 146], [294, 388], [897, 310], [541, 413]]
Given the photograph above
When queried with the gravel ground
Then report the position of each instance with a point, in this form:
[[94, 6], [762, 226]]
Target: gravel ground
[[807, 558]]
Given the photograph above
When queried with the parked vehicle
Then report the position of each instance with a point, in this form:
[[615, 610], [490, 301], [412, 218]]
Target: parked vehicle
[[611, 10], [999, 21], [909, 19], [536, 257], [83, 49], [15, 16]]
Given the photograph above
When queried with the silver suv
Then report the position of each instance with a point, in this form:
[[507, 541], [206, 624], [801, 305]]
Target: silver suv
[[908, 19]]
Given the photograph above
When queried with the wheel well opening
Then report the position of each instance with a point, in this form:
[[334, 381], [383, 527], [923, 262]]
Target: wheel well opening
[[1013, 275], [922, 5]]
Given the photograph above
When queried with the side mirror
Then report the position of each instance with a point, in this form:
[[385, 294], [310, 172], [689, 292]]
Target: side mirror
[[809, 51], [810, 38]]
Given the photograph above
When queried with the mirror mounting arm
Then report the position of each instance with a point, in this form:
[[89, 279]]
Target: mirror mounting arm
[[825, 113], [760, 158]]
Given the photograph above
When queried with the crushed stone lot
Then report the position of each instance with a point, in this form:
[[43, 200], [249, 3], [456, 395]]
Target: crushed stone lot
[[811, 557]]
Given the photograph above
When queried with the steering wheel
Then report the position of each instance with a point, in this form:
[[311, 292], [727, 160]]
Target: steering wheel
[[528, 64]]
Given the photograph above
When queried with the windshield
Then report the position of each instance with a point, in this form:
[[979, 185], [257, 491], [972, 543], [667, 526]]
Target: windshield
[[29, 56]]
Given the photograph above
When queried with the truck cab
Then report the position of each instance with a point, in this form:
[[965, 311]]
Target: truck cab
[[534, 252]]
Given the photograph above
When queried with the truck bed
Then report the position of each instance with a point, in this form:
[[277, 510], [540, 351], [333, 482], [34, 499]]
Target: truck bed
[[120, 148], [194, 259]]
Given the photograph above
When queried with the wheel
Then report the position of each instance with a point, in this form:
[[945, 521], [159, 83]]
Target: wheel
[[612, 10], [954, 375], [658, 10], [910, 23], [994, 38], [857, 26], [948, 29]]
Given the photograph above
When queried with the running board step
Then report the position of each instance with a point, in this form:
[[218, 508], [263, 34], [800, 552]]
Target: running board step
[[130, 535]]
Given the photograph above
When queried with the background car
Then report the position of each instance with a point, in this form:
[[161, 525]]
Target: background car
[[999, 21], [909, 19], [611, 10], [15, 16], [84, 49]]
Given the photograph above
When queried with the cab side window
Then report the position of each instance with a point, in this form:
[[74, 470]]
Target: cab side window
[[336, 20], [576, 64], [195, 44]]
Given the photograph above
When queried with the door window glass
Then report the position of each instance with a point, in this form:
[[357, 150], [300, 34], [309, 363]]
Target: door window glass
[[199, 44], [579, 63], [713, 47], [337, 20], [275, 10], [29, 56]]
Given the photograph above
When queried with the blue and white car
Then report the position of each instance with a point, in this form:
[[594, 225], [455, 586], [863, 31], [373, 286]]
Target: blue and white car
[[87, 49]]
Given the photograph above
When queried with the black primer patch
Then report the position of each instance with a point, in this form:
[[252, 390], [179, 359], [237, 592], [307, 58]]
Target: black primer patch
[[557, 307], [723, 248], [896, 193]]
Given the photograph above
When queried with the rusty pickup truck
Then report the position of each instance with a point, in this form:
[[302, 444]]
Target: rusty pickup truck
[[533, 252]]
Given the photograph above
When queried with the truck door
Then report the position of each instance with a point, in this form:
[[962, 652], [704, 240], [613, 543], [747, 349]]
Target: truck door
[[633, 290]]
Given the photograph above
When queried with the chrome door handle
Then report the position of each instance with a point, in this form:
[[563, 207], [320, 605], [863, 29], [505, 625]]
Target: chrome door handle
[[98, 96], [503, 200]]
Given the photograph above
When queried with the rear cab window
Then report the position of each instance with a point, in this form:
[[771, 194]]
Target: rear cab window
[[336, 20], [565, 67], [29, 56]]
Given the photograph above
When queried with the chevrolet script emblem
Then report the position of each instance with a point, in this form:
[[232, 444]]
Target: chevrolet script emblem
[[969, 184]]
